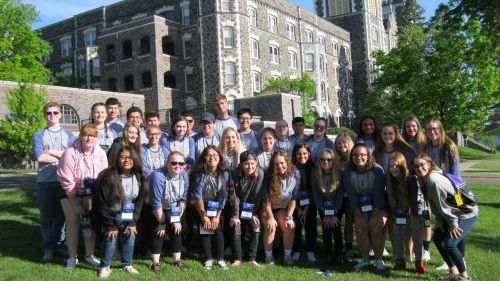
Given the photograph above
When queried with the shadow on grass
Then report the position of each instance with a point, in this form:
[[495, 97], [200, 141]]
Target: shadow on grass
[[484, 242], [20, 240], [495, 205]]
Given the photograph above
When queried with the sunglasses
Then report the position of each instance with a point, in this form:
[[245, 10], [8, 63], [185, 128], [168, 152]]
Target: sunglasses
[[319, 128], [190, 120], [174, 163], [48, 113], [326, 159]]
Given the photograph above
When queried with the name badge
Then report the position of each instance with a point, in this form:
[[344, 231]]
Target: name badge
[[304, 200], [104, 147], [212, 208], [247, 211], [204, 231], [366, 203], [458, 199], [88, 186], [400, 217], [175, 214], [427, 218], [329, 207], [128, 211]]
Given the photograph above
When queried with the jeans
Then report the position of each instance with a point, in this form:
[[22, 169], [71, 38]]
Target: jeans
[[127, 241], [449, 248], [399, 242], [239, 232], [217, 238], [175, 239], [328, 234], [310, 227], [51, 215]]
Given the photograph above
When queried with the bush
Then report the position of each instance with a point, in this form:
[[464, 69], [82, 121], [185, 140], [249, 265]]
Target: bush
[[336, 131]]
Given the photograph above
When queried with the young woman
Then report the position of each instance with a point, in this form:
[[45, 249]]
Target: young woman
[[319, 140], [368, 132], [230, 147], [329, 196], [365, 183], [249, 138], [210, 180], [153, 154], [180, 141], [120, 192], [169, 191], [135, 116], [343, 146], [305, 215], [267, 140], [79, 167], [454, 220], [280, 197], [244, 197], [389, 142], [397, 199], [441, 148], [414, 134], [131, 137], [283, 142], [106, 135]]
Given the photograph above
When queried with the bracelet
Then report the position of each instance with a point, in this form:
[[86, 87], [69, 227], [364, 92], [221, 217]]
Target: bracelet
[[289, 218]]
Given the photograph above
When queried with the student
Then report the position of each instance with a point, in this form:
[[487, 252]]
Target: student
[[190, 123], [454, 221], [298, 125], [244, 197], [223, 119], [389, 142], [80, 165], [180, 141], [207, 135], [210, 180], [113, 119], [230, 147], [368, 132], [134, 115], [120, 192], [106, 135], [283, 142], [153, 120], [305, 214], [267, 140], [319, 140], [282, 189], [365, 183], [130, 137], [249, 138], [169, 191], [153, 154], [328, 196], [413, 134], [441, 148], [48, 146]]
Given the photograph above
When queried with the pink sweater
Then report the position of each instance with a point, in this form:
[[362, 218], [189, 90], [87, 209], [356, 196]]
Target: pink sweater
[[73, 165]]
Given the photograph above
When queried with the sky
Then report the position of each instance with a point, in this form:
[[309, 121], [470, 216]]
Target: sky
[[52, 11]]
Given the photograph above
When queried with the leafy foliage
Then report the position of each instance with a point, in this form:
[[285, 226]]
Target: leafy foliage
[[339, 130]]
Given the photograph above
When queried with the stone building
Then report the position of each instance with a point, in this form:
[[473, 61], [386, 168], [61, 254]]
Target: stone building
[[180, 54]]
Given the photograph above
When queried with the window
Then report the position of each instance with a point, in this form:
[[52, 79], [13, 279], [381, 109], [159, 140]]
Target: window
[[127, 49], [144, 48], [347, 54], [252, 16], [230, 73], [67, 70], [189, 82], [96, 68], [321, 63], [188, 48], [292, 56], [227, 5], [254, 44], [321, 40], [309, 36], [169, 80], [256, 81], [323, 91], [81, 67], [375, 36], [290, 28], [170, 15], [337, 73], [66, 47], [272, 24], [89, 37], [167, 46], [69, 115], [338, 97], [129, 83], [228, 37], [274, 54], [185, 15], [335, 49], [110, 53], [112, 84], [310, 62], [147, 81]]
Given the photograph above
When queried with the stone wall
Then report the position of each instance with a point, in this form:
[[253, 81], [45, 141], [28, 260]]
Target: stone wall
[[266, 107]]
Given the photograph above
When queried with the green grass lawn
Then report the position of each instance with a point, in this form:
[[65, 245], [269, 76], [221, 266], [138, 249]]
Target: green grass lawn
[[17, 171], [474, 154], [20, 252]]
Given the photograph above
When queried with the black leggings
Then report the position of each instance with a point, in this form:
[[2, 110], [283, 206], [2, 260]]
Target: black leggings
[[217, 238], [175, 239], [327, 234], [239, 232], [311, 230]]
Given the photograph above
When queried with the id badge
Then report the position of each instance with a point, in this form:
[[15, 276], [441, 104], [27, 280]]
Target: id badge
[[104, 147], [175, 214], [400, 217], [427, 218], [128, 211], [204, 231], [329, 206], [247, 211], [304, 200], [366, 203], [458, 199], [212, 208], [88, 186]]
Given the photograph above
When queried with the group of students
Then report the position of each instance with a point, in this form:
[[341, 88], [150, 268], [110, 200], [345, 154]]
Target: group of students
[[118, 180]]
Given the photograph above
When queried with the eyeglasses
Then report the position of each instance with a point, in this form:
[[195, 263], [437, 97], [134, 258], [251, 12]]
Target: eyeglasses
[[420, 165], [359, 154], [435, 129], [154, 134], [48, 113], [326, 159], [319, 128], [174, 163], [190, 120]]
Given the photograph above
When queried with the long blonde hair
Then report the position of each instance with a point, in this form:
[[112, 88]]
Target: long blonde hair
[[420, 138], [334, 171], [238, 149], [446, 146], [339, 161]]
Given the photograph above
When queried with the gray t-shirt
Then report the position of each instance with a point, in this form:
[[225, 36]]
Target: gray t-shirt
[[263, 160], [52, 140], [156, 159], [203, 142], [363, 183], [130, 186], [287, 188], [433, 152], [249, 141], [385, 159], [174, 189], [106, 136], [180, 145], [231, 162], [284, 145]]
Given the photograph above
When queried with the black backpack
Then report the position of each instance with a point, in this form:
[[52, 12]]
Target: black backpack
[[461, 187]]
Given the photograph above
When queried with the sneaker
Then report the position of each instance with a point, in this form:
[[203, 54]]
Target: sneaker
[[104, 272], [208, 264], [311, 257], [442, 267], [236, 263], [379, 265], [288, 260], [362, 265], [269, 260], [130, 270], [179, 264], [420, 267], [92, 261], [371, 253], [385, 253], [296, 256], [426, 256], [222, 265], [155, 267], [254, 263], [48, 255], [410, 258], [71, 263]]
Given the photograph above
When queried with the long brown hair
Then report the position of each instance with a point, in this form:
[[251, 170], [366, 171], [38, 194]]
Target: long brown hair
[[397, 187], [369, 164], [447, 148], [420, 138], [399, 143], [274, 190], [334, 185]]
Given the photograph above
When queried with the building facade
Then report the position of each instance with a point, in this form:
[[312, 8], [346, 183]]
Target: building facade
[[180, 54]]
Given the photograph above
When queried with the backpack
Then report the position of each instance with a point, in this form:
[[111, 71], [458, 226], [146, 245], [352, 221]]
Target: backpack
[[461, 187]]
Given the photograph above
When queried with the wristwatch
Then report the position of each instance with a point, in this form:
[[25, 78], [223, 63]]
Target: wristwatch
[[289, 218]]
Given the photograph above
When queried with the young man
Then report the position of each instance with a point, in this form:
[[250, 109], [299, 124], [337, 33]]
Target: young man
[[113, 109], [134, 115], [48, 147], [153, 121], [207, 136], [319, 140], [190, 123], [298, 125], [283, 142], [249, 138], [223, 119]]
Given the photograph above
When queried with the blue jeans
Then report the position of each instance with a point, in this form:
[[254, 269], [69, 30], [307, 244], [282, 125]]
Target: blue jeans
[[51, 215], [127, 241], [448, 247]]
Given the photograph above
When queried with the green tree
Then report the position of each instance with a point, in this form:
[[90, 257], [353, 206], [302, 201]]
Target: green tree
[[25, 118], [21, 49], [412, 14]]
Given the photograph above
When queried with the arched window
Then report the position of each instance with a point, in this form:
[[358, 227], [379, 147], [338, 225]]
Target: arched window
[[145, 45], [169, 80], [110, 53], [146, 79], [112, 84], [129, 83], [168, 46], [69, 115], [127, 49]]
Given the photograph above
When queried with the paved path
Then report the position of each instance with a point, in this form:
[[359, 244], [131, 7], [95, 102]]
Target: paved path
[[9, 181], [467, 167]]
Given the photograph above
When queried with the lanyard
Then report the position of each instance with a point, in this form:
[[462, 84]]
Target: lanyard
[[150, 156], [169, 185]]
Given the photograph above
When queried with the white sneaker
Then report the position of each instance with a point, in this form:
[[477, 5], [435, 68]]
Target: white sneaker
[[443, 267], [296, 256], [311, 258], [426, 256], [71, 263], [410, 258], [130, 270], [92, 261], [385, 253], [104, 272], [380, 265], [222, 265], [208, 264], [269, 260], [362, 265], [371, 253]]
